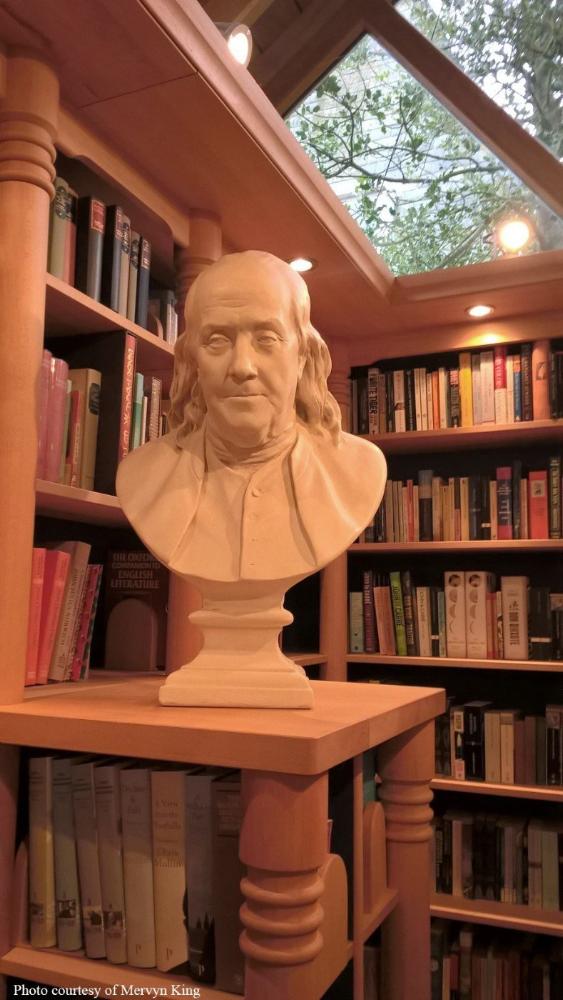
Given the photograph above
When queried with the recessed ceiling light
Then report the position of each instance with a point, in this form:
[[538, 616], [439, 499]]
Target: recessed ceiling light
[[302, 264], [513, 234], [239, 40], [480, 310]]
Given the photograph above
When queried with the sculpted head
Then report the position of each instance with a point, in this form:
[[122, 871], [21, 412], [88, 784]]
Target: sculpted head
[[250, 358]]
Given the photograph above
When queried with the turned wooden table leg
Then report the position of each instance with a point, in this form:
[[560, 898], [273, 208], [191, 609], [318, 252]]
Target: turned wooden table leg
[[9, 765], [406, 766], [283, 843]]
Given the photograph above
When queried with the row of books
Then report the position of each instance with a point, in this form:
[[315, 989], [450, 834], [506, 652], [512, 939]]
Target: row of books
[[496, 386], [63, 601], [94, 407], [467, 617], [477, 963], [477, 741], [138, 863], [507, 505], [511, 859], [94, 247]]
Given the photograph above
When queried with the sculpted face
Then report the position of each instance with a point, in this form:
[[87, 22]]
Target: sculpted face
[[247, 352]]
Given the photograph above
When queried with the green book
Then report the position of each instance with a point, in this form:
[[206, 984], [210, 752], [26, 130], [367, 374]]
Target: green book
[[137, 417], [398, 612]]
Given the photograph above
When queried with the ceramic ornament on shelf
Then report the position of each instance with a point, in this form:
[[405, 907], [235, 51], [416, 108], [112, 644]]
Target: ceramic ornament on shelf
[[256, 486]]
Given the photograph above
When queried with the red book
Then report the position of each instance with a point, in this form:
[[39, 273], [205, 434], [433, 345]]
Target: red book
[[44, 381], [57, 565], [55, 419], [34, 619], [538, 508]]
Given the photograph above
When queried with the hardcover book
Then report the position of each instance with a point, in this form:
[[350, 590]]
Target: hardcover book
[[135, 599]]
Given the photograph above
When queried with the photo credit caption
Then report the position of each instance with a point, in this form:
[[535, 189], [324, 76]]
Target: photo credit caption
[[118, 990]]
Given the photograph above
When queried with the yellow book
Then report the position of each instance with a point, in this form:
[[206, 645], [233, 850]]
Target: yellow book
[[466, 389]]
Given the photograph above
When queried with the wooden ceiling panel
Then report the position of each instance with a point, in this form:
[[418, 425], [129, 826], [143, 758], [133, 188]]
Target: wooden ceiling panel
[[245, 11], [275, 20]]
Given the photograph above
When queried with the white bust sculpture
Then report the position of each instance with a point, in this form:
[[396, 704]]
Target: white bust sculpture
[[256, 486]]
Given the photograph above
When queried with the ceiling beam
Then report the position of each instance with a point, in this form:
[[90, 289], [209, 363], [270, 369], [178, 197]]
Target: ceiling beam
[[243, 11], [523, 154], [307, 49]]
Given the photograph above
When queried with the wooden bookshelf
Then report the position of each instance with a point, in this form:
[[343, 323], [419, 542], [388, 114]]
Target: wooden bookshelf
[[524, 434], [73, 504], [69, 312], [539, 793], [421, 548], [510, 915], [537, 666]]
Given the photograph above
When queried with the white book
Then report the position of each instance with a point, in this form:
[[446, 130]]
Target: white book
[[168, 797], [135, 782], [399, 400], [477, 585], [67, 891], [492, 746], [199, 872], [514, 590], [487, 387], [110, 856], [356, 621], [501, 406], [510, 388], [42, 921], [63, 649], [443, 396], [454, 593], [84, 808], [423, 620], [476, 387]]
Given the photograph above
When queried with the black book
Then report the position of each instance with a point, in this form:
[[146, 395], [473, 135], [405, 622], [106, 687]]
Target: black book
[[112, 354], [370, 632], [111, 257], [410, 405], [540, 623], [474, 490], [389, 401], [143, 281], [425, 505], [434, 621], [359, 380], [455, 402], [485, 528], [91, 222], [474, 739], [526, 369]]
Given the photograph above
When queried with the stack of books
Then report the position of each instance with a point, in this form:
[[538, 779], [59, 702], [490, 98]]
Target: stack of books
[[137, 862], [503, 385], [510, 859], [94, 247], [63, 601], [478, 741], [468, 616], [510, 503]]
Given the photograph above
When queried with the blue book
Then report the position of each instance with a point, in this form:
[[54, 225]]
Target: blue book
[[517, 380]]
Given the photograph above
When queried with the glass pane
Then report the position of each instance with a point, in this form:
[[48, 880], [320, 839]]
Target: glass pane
[[512, 48], [424, 189]]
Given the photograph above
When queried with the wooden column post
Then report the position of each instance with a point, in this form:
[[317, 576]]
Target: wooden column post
[[406, 765], [283, 843], [184, 640], [334, 578], [9, 762], [28, 117]]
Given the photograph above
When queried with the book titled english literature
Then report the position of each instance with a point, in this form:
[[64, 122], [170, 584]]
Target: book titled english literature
[[135, 599]]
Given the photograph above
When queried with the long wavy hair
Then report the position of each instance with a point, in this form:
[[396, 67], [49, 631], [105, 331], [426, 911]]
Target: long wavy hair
[[314, 403]]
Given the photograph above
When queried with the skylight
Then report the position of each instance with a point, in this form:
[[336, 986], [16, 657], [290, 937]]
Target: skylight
[[425, 191]]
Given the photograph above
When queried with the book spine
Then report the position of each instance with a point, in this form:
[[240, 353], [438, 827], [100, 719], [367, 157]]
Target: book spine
[[514, 591], [137, 866], [555, 497], [476, 388], [70, 237], [69, 926], [477, 585], [409, 611], [443, 396], [356, 621], [368, 613], [398, 612], [425, 505], [504, 502], [199, 865], [169, 867], [43, 410], [456, 635], [466, 389], [455, 401], [510, 388], [34, 615], [373, 401], [487, 387], [124, 261], [42, 920], [517, 377], [127, 396], [526, 370], [141, 312], [227, 874], [553, 731], [499, 363], [85, 622], [541, 408], [474, 499], [111, 257], [538, 504], [110, 857], [74, 591], [57, 230], [423, 620], [91, 215], [516, 489], [84, 810], [57, 566], [56, 419]]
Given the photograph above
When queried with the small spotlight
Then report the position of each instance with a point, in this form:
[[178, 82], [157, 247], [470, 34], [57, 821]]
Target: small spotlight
[[239, 40], [514, 234], [478, 311], [302, 264]]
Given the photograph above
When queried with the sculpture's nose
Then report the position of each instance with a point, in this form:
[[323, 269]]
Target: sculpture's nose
[[242, 365]]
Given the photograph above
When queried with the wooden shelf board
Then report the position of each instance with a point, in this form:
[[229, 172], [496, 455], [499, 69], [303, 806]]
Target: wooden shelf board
[[69, 312], [60, 968], [418, 548], [71, 503], [550, 666], [385, 904], [526, 433], [125, 718], [548, 794], [510, 915], [307, 659]]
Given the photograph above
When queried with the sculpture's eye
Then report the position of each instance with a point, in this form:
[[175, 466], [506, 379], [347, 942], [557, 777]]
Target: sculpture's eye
[[266, 338], [218, 341]]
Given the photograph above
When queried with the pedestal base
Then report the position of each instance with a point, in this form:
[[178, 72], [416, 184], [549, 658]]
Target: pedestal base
[[232, 688]]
